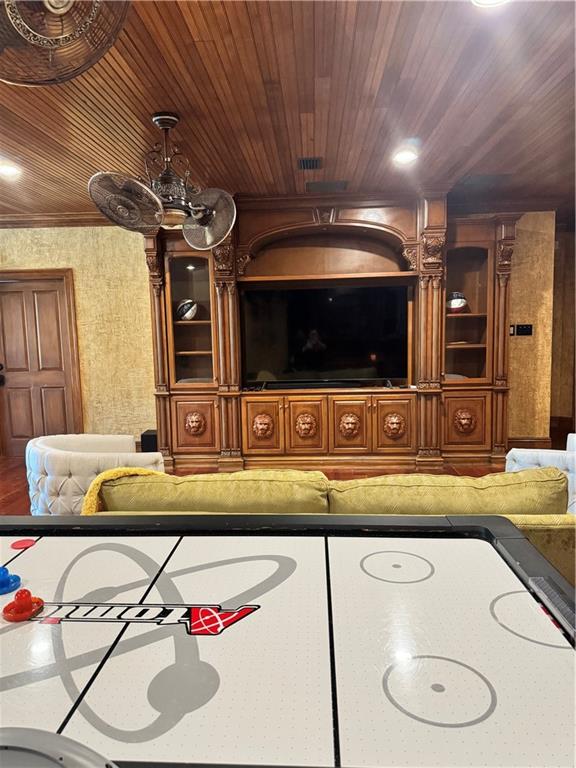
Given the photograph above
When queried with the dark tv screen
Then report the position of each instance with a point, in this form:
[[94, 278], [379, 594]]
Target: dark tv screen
[[316, 336]]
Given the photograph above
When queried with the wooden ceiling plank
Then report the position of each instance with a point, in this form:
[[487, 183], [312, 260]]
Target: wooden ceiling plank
[[283, 35], [188, 94], [272, 112], [341, 59], [261, 83], [244, 59]]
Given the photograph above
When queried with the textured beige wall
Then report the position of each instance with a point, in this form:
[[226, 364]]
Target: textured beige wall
[[564, 327], [112, 313], [531, 299]]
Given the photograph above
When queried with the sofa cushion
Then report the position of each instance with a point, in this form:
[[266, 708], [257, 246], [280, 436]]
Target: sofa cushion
[[531, 491], [272, 492], [554, 536]]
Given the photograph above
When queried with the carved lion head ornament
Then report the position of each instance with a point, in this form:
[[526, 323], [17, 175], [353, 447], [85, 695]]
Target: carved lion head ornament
[[349, 425], [306, 425], [465, 421], [394, 426], [262, 426], [195, 423]]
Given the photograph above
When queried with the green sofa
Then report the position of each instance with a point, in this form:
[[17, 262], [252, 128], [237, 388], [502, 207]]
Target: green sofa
[[535, 500]]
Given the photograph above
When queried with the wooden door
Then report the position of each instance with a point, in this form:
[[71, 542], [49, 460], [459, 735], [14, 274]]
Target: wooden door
[[467, 421], [394, 426], [306, 424], [350, 424], [196, 424], [38, 351], [262, 425]]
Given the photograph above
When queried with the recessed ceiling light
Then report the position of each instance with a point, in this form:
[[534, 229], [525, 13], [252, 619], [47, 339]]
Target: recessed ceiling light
[[488, 3], [405, 155], [190, 267], [8, 170]]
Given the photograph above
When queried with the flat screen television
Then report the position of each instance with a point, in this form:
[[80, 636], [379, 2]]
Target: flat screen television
[[317, 336]]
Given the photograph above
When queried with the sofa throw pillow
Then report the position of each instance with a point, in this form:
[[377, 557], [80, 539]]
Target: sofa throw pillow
[[272, 492], [528, 492]]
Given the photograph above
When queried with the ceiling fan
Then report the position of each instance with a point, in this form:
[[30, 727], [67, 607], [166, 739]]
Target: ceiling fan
[[167, 198], [46, 42]]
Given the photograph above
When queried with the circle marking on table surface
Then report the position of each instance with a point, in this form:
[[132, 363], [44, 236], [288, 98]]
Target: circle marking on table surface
[[468, 697], [519, 609], [410, 568]]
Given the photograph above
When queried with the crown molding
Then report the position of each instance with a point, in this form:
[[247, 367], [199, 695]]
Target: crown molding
[[36, 220], [335, 199]]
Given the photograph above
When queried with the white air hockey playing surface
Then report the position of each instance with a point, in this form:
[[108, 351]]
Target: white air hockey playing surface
[[363, 651]]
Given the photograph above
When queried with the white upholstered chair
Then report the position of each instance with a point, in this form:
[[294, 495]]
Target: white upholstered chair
[[528, 458], [60, 468]]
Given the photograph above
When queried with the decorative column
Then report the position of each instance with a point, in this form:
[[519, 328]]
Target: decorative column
[[153, 248], [431, 270], [228, 383], [505, 239]]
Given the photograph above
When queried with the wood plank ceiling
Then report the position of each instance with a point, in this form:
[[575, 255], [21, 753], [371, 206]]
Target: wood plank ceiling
[[488, 92]]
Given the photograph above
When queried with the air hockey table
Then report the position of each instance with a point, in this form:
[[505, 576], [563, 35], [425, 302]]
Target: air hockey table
[[285, 641]]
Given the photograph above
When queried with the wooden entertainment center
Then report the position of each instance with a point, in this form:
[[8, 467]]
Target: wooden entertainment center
[[453, 406]]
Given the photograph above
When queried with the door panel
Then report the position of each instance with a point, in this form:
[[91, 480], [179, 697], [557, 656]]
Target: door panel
[[41, 393], [14, 332], [20, 412], [262, 425], [350, 425], [53, 401], [306, 425], [395, 425], [48, 330], [467, 421], [196, 425]]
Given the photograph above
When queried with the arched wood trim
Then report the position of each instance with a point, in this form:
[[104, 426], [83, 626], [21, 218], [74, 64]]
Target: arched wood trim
[[390, 236]]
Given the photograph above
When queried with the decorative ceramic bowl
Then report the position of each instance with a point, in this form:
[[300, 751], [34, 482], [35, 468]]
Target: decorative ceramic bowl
[[456, 302]]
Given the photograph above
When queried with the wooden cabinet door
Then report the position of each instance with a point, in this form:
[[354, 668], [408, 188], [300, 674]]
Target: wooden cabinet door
[[262, 425], [196, 425], [394, 425], [467, 421], [350, 424], [306, 424]]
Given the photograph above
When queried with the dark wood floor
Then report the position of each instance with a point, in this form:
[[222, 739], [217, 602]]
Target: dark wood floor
[[14, 487]]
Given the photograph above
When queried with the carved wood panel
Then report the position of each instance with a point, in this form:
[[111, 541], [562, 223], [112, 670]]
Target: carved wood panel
[[306, 424], [350, 424], [467, 421], [394, 426], [262, 425], [195, 425]]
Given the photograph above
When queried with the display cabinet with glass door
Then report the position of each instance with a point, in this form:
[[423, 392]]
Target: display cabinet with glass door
[[467, 327], [189, 307]]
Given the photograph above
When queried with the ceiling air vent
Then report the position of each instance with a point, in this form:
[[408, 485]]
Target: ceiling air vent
[[309, 163], [326, 186], [482, 182]]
